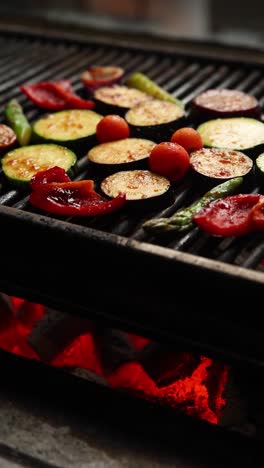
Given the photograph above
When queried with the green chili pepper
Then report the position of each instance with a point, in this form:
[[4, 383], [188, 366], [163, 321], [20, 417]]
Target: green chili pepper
[[16, 118]]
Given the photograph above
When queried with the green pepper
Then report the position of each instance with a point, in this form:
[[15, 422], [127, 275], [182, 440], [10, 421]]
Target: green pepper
[[16, 118], [182, 220]]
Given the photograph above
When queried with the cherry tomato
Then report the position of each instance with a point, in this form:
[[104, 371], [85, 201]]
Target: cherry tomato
[[112, 127], [189, 138], [257, 215], [229, 216], [169, 160]]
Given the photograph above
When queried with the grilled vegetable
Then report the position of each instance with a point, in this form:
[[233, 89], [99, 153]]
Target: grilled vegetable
[[170, 160], [187, 137], [18, 121], [228, 217], [117, 99], [111, 128], [260, 168], [74, 128], [7, 137], [137, 185], [242, 134], [95, 76], [214, 165], [155, 119], [219, 103], [55, 95], [144, 83], [129, 153], [21, 164], [256, 215], [182, 220]]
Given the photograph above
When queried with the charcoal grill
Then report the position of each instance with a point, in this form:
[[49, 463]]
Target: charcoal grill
[[108, 269]]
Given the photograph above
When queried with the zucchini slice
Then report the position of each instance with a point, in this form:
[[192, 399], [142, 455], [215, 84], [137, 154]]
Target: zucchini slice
[[128, 153], [75, 128], [155, 119], [222, 103], [260, 168], [117, 99], [219, 165], [138, 185], [237, 133], [22, 163]]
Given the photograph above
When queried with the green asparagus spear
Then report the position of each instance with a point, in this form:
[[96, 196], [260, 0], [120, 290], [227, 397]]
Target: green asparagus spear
[[18, 121], [182, 220], [144, 83]]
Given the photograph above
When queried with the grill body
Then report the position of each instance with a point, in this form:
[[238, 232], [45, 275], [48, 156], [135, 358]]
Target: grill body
[[132, 281]]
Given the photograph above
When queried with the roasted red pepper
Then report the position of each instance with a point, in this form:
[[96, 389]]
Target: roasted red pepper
[[230, 216], [65, 197], [257, 215], [55, 95]]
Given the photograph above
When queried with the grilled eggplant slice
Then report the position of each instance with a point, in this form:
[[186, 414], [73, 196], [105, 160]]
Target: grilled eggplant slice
[[260, 168], [128, 153], [117, 99], [218, 165], [223, 103], [138, 186], [237, 133], [155, 119], [75, 129], [22, 163]]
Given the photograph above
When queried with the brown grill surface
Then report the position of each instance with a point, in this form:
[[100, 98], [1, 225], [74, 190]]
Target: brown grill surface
[[193, 259]]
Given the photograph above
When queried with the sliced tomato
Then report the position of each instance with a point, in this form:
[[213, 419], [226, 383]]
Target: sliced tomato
[[257, 215], [229, 216]]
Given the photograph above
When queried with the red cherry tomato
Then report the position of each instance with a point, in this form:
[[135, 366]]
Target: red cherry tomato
[[189, 138], [257, 215], [169, 160], [229, 216], [112, 127]]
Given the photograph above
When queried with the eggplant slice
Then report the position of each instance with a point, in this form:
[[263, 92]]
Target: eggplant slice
[[218, 165], [138, 185], [128, 153], [155, 119], [117, 99], [221, 103]]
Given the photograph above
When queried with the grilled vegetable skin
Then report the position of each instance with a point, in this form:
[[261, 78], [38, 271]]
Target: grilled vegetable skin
[[144, 83], [182, 220], [18, 121]]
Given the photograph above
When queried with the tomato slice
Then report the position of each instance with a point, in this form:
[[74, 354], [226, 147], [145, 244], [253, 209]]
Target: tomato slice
[[229, 216], [257, 215]]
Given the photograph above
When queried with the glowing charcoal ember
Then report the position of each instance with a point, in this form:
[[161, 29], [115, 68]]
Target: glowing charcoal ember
[[113, 348], [215, 382], [54, 332], [138, 341], [80, 353], [29, 313], [165, 364]]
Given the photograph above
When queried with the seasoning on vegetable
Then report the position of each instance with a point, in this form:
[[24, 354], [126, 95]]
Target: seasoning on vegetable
[[18, 121]]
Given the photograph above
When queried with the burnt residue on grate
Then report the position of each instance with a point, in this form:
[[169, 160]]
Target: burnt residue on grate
[[32, 59]]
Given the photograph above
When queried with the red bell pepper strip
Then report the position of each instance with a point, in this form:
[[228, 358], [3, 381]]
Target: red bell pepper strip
[[257, 215], [229, 216], [55, 95], [68, 197], [47, 176]]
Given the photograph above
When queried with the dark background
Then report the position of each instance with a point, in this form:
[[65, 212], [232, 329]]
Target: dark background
[[233, 21]]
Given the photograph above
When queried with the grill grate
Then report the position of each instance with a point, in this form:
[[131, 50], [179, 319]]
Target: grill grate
[[133, 297], [28, 60]]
